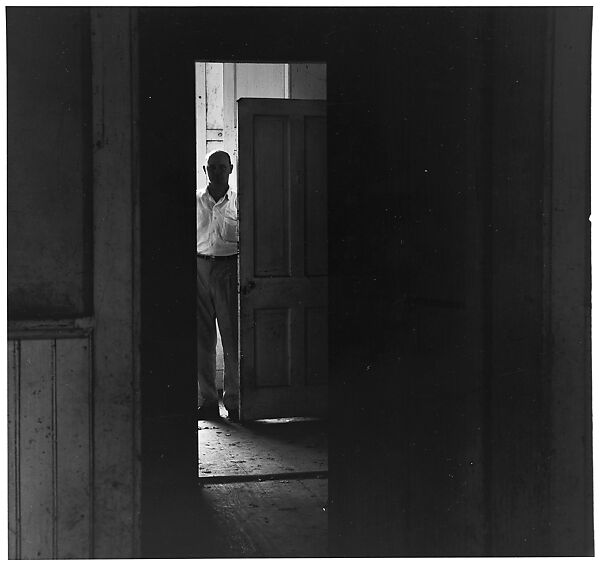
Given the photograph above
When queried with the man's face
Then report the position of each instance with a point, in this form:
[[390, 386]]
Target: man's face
[[218, 168]]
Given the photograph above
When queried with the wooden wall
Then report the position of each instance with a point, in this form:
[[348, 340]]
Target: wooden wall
[[518, 390], [569, 284], [406, 309], [50, 448], [73, 392], [49, 163]]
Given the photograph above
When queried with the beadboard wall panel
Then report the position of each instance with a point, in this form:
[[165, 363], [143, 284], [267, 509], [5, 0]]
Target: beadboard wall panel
[[50, 448]]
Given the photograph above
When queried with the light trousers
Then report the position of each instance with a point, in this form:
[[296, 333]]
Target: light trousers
[[217, 299]]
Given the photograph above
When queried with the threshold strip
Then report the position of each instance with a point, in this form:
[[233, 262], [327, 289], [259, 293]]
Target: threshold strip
[[262, 477]]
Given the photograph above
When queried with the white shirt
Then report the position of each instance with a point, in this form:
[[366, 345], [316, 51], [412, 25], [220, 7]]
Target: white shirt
[[216, 224]]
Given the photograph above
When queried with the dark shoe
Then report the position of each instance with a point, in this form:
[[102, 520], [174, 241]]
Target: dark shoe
[[233, 415], [209, 412]]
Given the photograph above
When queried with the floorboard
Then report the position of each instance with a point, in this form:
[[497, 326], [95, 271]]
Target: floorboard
[[284, 518], [262, 488], [231, 449]]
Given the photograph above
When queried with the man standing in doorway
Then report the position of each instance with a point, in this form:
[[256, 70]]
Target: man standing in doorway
[[217, 280]]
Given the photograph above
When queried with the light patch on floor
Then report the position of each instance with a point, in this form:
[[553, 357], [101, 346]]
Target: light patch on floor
[[261, 447]]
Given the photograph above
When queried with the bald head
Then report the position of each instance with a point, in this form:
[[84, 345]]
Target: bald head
[[218, 167], [214, 154]]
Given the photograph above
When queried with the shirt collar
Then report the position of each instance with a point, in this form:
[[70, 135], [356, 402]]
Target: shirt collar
[[206, 194]]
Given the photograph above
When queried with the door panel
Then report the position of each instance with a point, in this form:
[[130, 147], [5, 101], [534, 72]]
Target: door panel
[[272, 337], [271, 202], [283, 258]]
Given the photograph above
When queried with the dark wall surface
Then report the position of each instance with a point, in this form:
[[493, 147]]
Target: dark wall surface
[[441, 438], [444, 423], [49, 162]]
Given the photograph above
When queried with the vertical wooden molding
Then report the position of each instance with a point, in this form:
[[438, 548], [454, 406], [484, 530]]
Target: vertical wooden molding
[[230, 120], [571, 476], [136, 283], [115, 454], [73, 447], [201, 101], [14, 482], [287, 83]]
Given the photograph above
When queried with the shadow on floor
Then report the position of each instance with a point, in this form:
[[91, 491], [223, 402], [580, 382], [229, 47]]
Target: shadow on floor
[[274, 519], [243, 513]]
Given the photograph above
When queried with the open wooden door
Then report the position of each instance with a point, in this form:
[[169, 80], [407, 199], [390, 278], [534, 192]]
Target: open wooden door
[[282, 179]]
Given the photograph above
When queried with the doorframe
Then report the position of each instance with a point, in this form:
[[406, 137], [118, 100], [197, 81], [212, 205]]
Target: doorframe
[[568, 279], [116, 283], [167, 172]]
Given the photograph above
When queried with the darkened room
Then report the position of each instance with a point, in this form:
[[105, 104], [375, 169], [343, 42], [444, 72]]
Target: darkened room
[[458, 243]]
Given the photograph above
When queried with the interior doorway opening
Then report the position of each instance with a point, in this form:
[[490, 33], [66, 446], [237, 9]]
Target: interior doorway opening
[[273, 463], [218, 87]]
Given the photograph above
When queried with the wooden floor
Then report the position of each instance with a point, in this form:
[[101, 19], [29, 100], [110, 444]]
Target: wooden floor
[[263, 488], [285, 518]]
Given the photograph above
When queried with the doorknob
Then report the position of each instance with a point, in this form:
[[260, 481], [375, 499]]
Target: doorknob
[[248, 287]]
